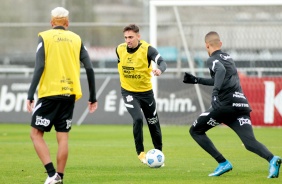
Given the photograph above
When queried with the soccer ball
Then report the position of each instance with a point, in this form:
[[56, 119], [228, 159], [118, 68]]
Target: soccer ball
[[155, 158]]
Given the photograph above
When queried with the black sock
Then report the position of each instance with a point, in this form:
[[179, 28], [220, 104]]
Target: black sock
[[220, 159], [269, 158], [50, 169], [61, 175]]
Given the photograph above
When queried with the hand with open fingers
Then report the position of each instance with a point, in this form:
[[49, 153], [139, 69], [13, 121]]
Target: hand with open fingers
[[190, 79]]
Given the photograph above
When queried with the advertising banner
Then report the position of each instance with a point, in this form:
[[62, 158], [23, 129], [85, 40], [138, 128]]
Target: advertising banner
[[177, 103], [265, 97]]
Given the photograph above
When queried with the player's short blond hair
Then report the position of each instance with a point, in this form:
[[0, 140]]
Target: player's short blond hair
[[59, 16]]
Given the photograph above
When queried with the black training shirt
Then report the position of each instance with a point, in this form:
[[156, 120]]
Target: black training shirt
[[225, 81]]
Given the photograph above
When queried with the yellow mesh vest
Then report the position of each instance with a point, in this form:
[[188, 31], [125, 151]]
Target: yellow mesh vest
[[61, 75], [135, 75]]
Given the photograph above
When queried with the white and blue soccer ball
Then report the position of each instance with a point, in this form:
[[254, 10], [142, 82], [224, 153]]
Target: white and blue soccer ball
[[155, 158]]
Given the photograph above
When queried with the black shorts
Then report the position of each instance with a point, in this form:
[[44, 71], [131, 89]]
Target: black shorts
[[135, 101], [229, 116], [49, 112]]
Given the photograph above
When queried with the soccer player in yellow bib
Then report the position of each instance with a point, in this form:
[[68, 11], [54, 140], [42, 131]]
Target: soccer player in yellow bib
[[135, 58], [57, 71]]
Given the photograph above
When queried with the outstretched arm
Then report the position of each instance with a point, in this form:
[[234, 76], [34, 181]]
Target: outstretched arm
[[191, 79]]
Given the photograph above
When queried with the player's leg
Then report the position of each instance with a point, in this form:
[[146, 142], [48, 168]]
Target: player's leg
[[62, 124], [206, 121], [148, 105], [133, 107], [62, 154], [42, 122], [243, 128], [198, 132], [40, 146]]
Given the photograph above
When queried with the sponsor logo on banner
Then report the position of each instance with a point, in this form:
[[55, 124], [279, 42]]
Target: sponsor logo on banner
[[265, 98], [173, 103], [272, 101], [169, 104], [13, 97]]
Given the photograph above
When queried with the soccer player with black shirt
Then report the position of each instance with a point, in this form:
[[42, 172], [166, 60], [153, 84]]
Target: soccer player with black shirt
[[135, 58], [229, 106], [57, 71]]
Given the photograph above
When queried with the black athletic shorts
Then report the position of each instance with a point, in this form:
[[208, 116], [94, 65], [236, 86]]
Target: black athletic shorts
[[49, 112], [227, 115]]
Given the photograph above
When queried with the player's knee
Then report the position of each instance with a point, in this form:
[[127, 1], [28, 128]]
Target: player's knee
[[31, 136], [138, 121], [249, 147], [192, 131], [35, 134]]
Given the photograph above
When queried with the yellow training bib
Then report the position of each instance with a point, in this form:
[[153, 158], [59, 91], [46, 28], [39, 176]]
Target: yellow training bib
[[134, 70], [61, 75]]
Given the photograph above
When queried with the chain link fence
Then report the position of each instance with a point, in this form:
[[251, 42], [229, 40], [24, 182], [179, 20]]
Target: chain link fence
[[252, 34]]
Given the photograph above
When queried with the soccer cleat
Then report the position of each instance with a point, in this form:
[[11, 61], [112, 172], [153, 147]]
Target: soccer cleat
[[56, 179], [222, 168], [274, 166], [142, 157]]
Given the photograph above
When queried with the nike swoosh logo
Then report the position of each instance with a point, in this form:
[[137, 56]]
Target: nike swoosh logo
[[151, 104]]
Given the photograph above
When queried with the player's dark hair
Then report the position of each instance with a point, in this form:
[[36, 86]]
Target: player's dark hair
[[131, 27]]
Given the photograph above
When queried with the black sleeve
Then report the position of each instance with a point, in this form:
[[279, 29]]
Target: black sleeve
[[206, 81], [219, 71], [153, 55], [38, 69], [85, 59], [117, 55]]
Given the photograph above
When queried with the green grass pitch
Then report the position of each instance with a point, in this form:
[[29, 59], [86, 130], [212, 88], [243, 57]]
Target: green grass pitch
[[106, 154]]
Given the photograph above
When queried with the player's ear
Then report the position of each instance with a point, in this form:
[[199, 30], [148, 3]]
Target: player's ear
[[51, 22], [220, 44], [67, 23]]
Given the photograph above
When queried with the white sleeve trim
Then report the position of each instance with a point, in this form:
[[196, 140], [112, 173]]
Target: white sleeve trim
[[157, 57], [128, 105], [213, 64], [39, 46]]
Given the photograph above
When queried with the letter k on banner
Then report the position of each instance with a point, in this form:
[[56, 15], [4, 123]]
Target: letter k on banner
[[271, 101], [265, 98]]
